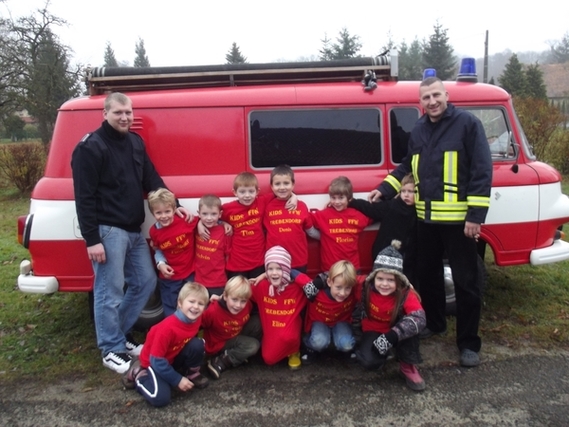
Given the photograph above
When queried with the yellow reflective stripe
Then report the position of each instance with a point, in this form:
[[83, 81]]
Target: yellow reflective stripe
[[479, 201], [415, 171], [450, 176], [390, 179], [449, 206], [448, 216]]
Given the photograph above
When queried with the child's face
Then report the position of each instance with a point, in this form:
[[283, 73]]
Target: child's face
[[234, 304], [246, 195], [385, 283], [209, 216], [274, 274], [408, 194], [282, 186], [338, 288], [164, 214], [339, 202], [192, 306]]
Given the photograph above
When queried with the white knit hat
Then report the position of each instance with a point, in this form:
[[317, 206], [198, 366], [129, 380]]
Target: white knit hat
[[280, 256]]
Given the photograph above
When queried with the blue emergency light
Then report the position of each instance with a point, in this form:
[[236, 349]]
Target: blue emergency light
[[429, 72], [467, 71]]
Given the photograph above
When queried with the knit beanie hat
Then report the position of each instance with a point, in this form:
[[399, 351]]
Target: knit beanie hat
[[389, 260], [279, 255]]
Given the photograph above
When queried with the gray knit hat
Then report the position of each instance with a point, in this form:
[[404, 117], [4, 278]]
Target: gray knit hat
[[389, 260]]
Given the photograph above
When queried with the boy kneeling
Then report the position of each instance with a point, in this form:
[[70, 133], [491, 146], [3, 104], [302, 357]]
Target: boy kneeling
[[172, 354]]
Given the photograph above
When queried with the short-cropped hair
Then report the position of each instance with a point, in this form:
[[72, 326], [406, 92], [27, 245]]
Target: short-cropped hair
[[163, 196], [282, 170], [121, 98], [193, 288], [209, 201], [238, 287], [345, 270], [245, 179], [341, 186]]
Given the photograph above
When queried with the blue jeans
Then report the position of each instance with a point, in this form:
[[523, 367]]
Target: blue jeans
[[321, 335], [128, 262], [169, 290]]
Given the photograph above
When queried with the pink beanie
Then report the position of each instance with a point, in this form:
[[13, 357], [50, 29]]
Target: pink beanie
[[279, 255]]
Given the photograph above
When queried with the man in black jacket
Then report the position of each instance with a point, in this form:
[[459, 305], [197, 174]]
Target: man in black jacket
[[111, 173], [451, 162]]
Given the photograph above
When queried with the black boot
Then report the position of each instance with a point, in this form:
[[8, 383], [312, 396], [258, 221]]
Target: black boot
[[218, 364]]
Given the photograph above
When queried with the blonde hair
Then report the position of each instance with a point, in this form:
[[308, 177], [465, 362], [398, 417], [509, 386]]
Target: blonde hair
[[239, 287], [193, 288], [245, 179], [341, 186], [209, 201], [345, 270], [161, 196], [408, 179], [121, 98]]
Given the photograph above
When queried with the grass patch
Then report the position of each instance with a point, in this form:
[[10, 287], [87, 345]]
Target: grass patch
[[52, 336]]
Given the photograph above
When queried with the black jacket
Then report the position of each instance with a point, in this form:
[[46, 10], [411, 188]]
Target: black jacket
[[111, 173]]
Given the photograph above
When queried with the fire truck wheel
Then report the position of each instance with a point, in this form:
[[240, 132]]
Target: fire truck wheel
[[152, 313]]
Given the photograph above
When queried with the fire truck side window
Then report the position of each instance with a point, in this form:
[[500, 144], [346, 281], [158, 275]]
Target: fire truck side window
[[323, 137], [401, 121], [497, 132]]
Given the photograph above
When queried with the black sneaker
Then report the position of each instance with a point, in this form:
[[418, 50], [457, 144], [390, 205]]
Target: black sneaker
[[118, 362], [217, 365], [309, 356], [198, 379], [133, 348]]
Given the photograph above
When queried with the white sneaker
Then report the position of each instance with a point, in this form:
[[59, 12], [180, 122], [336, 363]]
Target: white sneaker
[[133, 349], [118, 362]]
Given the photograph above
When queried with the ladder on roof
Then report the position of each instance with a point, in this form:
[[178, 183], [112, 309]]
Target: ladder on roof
[[103, 80]]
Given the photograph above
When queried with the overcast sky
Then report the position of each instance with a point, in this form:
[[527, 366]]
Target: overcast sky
[[190, 32]]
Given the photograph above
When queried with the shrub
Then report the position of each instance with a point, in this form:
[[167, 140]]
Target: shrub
[[22, 164]]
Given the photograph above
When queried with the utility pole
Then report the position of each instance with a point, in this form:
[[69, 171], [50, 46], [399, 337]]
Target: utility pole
[[485, 76]]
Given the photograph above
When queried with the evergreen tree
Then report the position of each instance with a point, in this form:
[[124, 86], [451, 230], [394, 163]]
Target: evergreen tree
[[491, 81], [513, 79], [110, 60], [560, 50], [388, 46], [141, 59], [535, 84], [438, 54], [234, 56], [410, 61], [347, 46], [326, 51]]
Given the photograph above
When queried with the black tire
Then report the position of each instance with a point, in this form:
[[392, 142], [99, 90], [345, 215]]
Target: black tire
[[151, 314], [449, 285]]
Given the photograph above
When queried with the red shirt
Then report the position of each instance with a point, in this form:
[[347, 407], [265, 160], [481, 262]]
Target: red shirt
[[248, 240], [220, 325], [210, 258], [167, 338], [380, 310], [280, 318], [176, 242], [339, 235], [326, 309], [287, 229]]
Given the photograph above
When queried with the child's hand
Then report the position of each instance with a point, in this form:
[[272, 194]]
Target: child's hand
[[185, 384], [228, 228], [291, 203], [257, 280], [166, 270], [183, 213], [203, 231], [214, 297]]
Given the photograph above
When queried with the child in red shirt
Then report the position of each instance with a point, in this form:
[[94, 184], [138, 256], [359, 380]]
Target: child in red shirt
[[339, 226], [393, 318], [288, 228], [329, 313], [231, 335], [280, 304], [211, 253], [172, 355], [173, 238]]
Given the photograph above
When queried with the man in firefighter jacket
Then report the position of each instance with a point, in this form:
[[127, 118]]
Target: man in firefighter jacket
[[452, 165]]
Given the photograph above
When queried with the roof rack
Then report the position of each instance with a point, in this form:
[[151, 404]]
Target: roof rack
[[103, 80]]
